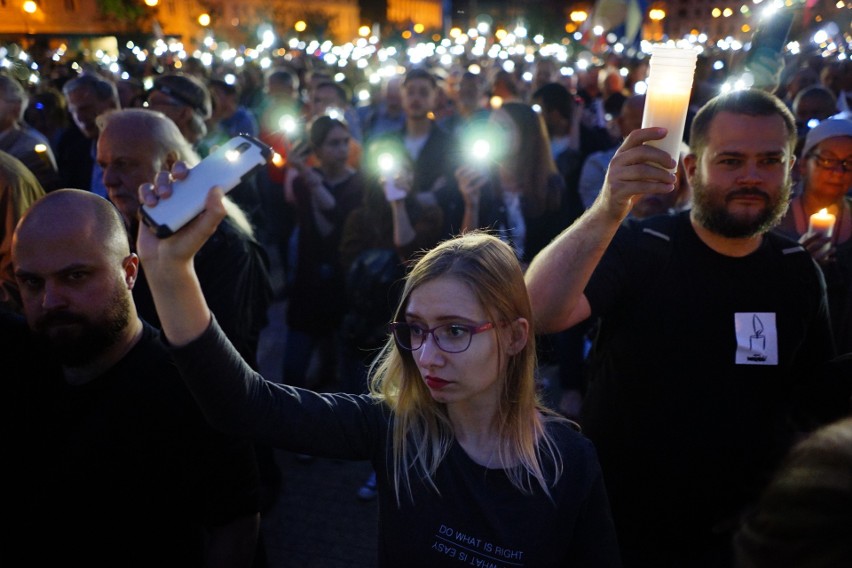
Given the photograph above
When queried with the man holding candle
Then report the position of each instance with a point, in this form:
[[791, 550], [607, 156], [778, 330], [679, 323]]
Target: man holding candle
[[710, 329], [821, 218]]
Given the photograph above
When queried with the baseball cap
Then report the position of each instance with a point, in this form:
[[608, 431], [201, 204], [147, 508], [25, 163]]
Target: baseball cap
[[830, 128], [186, 89]]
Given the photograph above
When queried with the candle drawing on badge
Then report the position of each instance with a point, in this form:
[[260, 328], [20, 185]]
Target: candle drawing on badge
[[822, 223], [757, 342], [667, 98]]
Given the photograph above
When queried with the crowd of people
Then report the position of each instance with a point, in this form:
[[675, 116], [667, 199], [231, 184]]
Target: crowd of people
[[447, 250]]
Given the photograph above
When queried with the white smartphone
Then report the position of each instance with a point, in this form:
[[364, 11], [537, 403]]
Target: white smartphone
[[229, 164]]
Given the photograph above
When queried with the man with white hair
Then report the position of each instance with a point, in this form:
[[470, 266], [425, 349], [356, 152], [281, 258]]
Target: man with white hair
[[135, 144]]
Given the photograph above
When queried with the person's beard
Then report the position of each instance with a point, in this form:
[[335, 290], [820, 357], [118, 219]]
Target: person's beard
[[710, 209], [77, 340]]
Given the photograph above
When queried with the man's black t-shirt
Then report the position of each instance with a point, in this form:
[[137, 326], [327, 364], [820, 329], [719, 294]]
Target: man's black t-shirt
[[696, 374], [120, 471]]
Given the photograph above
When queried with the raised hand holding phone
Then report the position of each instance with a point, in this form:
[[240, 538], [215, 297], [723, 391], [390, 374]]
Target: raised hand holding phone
[[168, 262], [765, 60], [298, 153], [390, 170], [224, 168]]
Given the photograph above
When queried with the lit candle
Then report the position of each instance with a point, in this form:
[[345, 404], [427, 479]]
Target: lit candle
[[41, 152], [822, 222]]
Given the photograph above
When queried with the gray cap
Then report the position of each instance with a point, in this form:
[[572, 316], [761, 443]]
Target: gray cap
[[830, 128], [187, 90]]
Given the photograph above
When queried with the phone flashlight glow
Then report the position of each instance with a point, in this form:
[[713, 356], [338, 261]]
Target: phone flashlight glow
[[386, 163], [334, 113], [288, 124], [480, 150], [232, 155]]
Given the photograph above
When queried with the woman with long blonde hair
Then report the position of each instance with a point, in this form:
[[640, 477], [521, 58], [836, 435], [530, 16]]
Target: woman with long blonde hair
[[471, 468]]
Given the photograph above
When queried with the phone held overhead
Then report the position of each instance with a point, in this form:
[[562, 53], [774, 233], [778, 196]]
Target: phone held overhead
[[224, 168]]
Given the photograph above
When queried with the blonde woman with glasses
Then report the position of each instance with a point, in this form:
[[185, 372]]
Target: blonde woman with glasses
[[471, 468]]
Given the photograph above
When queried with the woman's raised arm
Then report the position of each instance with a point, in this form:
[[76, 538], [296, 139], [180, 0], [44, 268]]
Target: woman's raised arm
[[168, 262]]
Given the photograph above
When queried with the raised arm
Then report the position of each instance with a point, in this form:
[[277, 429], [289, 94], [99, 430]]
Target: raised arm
[[558, 275], [183, 311]]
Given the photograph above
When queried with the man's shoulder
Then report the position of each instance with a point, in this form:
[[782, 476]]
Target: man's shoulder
[[783, 242], [233, 253], [655, 230], [35, 135], [148, 355], [19, 143], [229, 245], [148, 374], [17, 136], [791, 257], [677, 228], [229, 235]]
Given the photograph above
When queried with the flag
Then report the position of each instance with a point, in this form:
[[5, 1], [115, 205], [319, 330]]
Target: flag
[[622, 17]]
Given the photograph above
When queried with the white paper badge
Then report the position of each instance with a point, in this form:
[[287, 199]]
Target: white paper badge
[[757, 338]]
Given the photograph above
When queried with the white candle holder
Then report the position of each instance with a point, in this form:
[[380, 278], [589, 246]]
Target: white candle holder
[[670, 79]]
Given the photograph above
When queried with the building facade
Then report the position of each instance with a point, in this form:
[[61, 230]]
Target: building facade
[[334, 19]]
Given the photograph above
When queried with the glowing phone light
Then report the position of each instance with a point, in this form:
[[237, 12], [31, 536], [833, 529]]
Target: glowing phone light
[[481, 149], [288, 124], [386, 163]]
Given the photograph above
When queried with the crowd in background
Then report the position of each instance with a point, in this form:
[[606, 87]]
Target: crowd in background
[[521, 152]]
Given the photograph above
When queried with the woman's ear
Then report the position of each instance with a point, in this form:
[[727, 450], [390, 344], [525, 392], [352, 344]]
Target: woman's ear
[[520, 332]]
